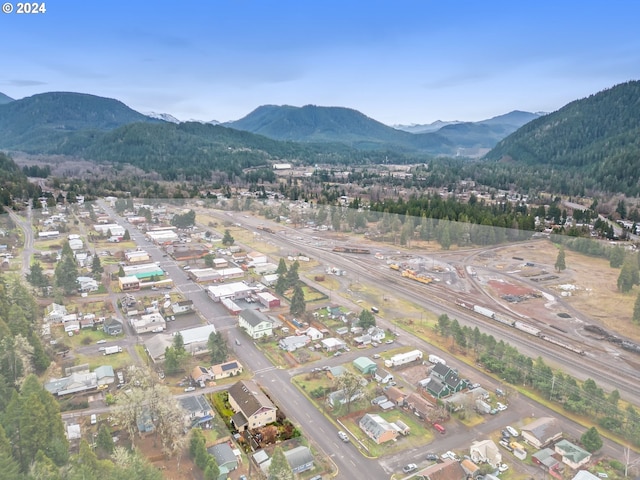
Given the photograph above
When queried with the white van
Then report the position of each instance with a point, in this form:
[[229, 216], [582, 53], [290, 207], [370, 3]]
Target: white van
[[94, 419], [512, 431]]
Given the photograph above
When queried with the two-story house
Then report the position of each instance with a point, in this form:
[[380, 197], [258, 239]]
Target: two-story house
[[252, 407], [255, 323]]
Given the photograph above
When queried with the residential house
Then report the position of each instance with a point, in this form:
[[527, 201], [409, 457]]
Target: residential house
[[471, 469], [542, 432], [546, 460], [299, 459], [482, 451], [294, 342], [377, 428], [420, 406], [335, 372], [332, 344], [339, 398], [444, 381], [129, 283], [87, 284], [362, 340], [396, 396], [585, 475], [105, 375], [252, 407], [225, 458], [152, 322], [55, 312], [314, 334], [112, 326], [201, 374], [572, 455], [382, 376], [376, 333], [225, 370], [198, 409], [365, 365], [447, 470], [183, 306], [255, 323], [74, 383]]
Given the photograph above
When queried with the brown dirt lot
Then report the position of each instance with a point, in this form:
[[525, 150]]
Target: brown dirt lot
[[595, 296]]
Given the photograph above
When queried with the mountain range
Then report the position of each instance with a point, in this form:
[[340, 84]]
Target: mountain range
[[597, 138]]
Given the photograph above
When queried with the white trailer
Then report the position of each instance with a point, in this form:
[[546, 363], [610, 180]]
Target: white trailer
[[112, 350], [403, 358], [435, 359]]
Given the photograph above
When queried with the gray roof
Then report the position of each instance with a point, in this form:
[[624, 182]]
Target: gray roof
[[299, 456], [543, 428], [194, 404], [254, 317], [375, 424], [223, 453]]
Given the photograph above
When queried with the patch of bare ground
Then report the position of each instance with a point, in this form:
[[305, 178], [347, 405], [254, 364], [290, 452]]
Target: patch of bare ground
[[173, 468], [596, 294]]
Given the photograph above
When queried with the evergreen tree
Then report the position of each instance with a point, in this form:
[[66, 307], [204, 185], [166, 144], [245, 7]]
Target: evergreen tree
[[298, 305], [628, 277], [212, 472], [217, 347], [591, 440], [281, 284], [366, 319], [171, 361], [126, 236], [121, 272], [279, 468], [104, 441], [178, 344], [66, 274], [36, 276], [227, 239], [616, 257], [96, 267], [636, 310], [292, 277], [282, 267], [560, 260]]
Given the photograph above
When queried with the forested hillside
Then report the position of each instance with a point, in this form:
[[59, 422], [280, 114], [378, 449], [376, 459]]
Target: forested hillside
[[13, 182], [597, 138]]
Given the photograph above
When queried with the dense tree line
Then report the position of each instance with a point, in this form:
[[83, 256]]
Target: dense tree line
[[506, 362]]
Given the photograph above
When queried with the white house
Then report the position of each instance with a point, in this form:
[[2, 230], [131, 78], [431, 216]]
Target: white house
[[255, 323], [293, 343], [314, 334]]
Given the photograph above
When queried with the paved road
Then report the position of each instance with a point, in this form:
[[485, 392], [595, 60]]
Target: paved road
[[349, 462]]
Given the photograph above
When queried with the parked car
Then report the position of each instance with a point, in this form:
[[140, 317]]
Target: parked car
[[505, 434], [512, 431], [500, 406], [343, 436], [376, 356], [503, 467], [101, 341], [388, 342], [409, 468], [189, 389], [431, 457], [499, 392]]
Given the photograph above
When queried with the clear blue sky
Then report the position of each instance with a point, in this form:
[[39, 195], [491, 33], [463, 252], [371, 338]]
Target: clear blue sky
[[398, 61]]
